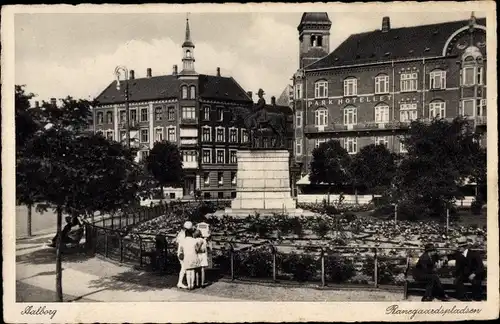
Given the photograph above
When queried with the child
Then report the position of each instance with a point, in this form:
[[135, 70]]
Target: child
[[203, 257]]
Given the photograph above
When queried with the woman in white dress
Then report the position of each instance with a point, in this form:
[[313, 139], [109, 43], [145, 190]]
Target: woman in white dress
[[202, 255], [189, 253], [180, 237]]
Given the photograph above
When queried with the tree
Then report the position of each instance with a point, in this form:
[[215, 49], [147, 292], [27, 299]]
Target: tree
[[165, 164], [374, 168], [441, 156], [330, 165]]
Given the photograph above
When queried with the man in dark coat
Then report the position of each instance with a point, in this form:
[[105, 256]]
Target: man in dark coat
[[425, 271], [468, 268]]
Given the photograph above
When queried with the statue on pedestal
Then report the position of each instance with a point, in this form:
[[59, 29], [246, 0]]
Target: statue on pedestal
[[259, 123]]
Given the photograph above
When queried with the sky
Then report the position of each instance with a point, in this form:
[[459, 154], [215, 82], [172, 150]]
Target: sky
[[61, 54]]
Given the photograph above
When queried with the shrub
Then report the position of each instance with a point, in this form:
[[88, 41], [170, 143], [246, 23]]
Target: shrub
[[321, 227], [297, 227], [302, 267], [384, 210], [255, 263], [222, 261], [260, 227], [339, 269], [349, 216]]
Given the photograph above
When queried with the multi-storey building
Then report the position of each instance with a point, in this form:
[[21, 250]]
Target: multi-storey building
[[192, 110], [186, 108], [374, 83]]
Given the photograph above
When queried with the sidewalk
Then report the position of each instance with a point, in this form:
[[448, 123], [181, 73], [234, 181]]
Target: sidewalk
[[93, 279]]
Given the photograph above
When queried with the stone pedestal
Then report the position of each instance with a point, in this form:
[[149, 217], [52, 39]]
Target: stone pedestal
[[263, 182]]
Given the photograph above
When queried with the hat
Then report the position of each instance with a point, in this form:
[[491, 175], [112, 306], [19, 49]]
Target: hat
[[429, 247], [188, 225], [461, 242]]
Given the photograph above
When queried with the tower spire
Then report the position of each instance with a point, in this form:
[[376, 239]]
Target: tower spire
[[188, 50], [188, 32]]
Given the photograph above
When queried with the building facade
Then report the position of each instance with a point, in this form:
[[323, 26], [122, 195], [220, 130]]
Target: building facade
[[374, 84], [192, 110]]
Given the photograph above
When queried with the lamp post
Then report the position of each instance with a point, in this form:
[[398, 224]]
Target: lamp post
[[123, 69]]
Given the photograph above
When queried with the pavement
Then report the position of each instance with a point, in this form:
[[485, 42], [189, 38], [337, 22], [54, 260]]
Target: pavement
[[93, 279]]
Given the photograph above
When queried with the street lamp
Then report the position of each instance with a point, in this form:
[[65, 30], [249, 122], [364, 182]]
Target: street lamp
[[123, 69]]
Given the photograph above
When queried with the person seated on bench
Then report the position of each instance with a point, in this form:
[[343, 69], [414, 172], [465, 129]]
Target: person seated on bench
[[468, 268], [425, 272], [67, 235]]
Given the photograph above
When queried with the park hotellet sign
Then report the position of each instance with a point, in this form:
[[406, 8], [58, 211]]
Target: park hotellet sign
[[349, 100]]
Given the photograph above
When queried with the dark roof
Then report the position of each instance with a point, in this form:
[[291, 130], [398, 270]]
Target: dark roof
[[168, 87], [314, 18], [279, 109], [398, 43]]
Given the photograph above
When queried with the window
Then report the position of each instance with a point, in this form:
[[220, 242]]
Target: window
[[220, 134], [143, 155], [408, 112], [479, 75], [158, 113], [350, 87], [172, 195], [382, 114], [123, 116], [109, 135], [467, 107], [402, 148], [220, 178], [438, 79], [220, 155], [133, 116], [381, 84], [220, 195], [184, 91], [100, 118], [437, 109], [206, 178], [233, 135], [298, 91], [298, 148], [188, 113], [244, 136], [144, 114], [144, 135], [320, 141], [409, 82], [350, 116], [206, 112], [232, 156], [171, 113], [192, 92], [171, 134], [468, 75], [206, 134], [99, 132], [109, 117], [123, 135], [159, 134], [382, 141], [298, 119], [188, 156], [321, 89], [233, 194], [220, 113], [351, 145], [481, 107], [233, 178], [321, 117], [206, 195], [207, 156]]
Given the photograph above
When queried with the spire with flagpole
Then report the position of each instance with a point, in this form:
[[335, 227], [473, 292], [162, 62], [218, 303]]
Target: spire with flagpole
[[188, 51]]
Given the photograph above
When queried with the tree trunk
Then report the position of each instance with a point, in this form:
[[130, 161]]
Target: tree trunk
[[59, 294], [356, 195], [161, 193], [328, 197], [30, 209]]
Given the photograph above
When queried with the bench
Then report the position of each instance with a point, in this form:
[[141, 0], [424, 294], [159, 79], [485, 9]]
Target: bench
[[444, 273]]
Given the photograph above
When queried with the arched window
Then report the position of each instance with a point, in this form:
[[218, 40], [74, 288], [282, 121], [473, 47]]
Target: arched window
[[472, 70], [437, 109], [184, 91], [350, 115], [321, 117], [188, 54], [192, 92], [100, 118], [381, 84], [109, 117], [350, 86], [437, 79], [321, 89], [382, 113]]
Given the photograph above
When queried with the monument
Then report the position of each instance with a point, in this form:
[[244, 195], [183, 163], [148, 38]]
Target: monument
[[263, 174]]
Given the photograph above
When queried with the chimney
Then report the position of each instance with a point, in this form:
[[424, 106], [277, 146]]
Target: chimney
[[53, 101], [132, 75], [250, 94], [386, 24], [273, 100], [37, 104], [218, 71], [148, 72], [174, 70]]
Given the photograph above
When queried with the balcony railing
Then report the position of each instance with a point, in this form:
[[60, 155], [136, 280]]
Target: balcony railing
[[189, 165], [480, 120], [189, 121], [189, 141]]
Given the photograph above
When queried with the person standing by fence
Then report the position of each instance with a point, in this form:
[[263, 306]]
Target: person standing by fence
[[203, 257], [189, 249], [179, 241]]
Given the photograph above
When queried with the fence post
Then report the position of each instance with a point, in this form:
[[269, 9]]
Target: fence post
[[231, 253], [105, 243], [112, 219], [121, 249], [323, 282], [133, 218], [273, 251], [375, 270], [126, 220], [140, 250]]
